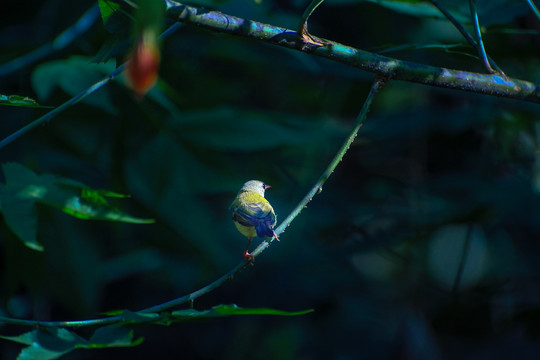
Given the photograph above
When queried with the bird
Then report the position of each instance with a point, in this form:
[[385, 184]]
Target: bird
[[252, 213]]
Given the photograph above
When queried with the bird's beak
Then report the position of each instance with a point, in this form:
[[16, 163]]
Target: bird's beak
[[266, 186]]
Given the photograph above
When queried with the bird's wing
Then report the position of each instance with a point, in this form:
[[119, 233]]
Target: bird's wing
[[265, 227], [254, 210]]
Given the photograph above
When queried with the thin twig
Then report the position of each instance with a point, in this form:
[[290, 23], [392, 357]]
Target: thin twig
[[463, 31], [455, 22], [377, 84], [481, 49], [302, 32], [534, 8], [119, 318], [51, 114], [463, 259]]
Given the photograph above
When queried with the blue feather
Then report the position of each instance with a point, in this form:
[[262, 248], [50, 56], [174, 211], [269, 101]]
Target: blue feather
[[253, 215]]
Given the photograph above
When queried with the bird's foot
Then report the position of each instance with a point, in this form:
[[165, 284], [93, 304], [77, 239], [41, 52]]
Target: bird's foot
[[250, 258], [275, 235]]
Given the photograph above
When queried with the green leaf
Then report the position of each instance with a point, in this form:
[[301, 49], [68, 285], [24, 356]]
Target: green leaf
[[107, 9], [133, 317], [18, 202], [47, 343], [74, 75], [231, 310], [117, 23], [89, 204], [23, 189], [21, 101], [113, 336], [115, 20], [227, 310]]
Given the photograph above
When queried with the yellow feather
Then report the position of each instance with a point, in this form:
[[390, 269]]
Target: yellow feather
[[242, 201], [245, 230]]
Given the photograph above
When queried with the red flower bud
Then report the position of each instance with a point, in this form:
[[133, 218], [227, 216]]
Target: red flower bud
[[142, 69]]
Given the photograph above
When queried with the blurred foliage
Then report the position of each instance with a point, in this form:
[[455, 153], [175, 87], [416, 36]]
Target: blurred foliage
[[423, 244], [24, 189]]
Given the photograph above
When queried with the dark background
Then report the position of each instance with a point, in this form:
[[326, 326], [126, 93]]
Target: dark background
[[424, 243]]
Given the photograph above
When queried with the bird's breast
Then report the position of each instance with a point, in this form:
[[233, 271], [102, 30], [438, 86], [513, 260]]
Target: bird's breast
[[247, 231]]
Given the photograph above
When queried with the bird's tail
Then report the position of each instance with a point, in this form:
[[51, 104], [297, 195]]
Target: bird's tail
[[264, 230]]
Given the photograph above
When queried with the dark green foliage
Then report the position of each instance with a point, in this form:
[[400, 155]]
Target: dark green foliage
[[491, 12], [47, 343], [422, 244], [23, 189]]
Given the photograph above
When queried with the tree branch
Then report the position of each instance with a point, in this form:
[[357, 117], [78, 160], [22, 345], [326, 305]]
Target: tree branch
[[481, 49], [392, 69], [534, 8]]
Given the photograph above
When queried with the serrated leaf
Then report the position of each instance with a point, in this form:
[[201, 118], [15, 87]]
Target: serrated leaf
[[236, 310], [21, 101], [230, 310]]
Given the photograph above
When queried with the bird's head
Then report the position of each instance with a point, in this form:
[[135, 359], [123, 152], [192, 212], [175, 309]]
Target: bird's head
[[255, 186]]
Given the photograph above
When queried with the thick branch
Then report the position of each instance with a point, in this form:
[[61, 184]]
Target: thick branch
[[489, 84]]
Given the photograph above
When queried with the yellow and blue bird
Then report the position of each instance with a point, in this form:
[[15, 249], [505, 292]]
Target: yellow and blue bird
[[252, 213]]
